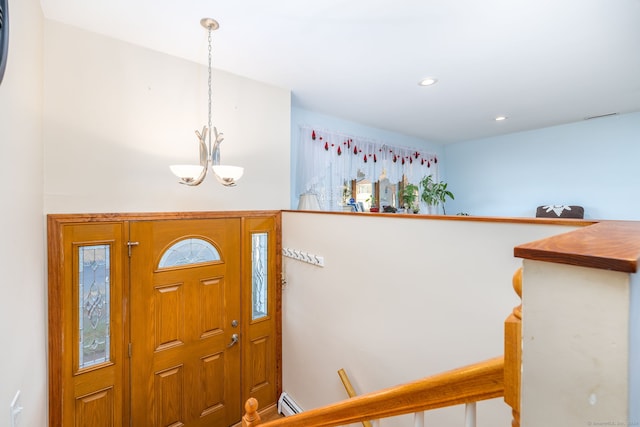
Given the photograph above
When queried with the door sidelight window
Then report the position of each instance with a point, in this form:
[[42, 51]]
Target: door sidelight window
[[94, 305], [259, 275]]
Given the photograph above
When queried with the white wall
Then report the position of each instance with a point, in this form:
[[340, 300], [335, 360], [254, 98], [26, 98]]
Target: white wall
[[591, 163], [22, 255], [400, 298], [116, 116]]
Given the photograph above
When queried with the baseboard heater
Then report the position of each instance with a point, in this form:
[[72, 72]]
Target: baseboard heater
[[287, 406]]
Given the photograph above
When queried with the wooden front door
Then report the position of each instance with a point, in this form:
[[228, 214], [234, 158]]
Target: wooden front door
[[185, 314], [169, 319]]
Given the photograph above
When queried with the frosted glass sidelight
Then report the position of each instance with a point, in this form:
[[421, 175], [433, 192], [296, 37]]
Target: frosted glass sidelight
[[259, 275], [189, 251], [94, 301]]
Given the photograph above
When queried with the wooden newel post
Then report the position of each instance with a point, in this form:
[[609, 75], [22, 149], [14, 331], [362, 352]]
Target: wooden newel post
[[513, 353], [251, 417]]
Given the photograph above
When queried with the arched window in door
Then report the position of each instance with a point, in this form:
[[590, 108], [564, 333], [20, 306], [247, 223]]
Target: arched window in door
[[189, 251]]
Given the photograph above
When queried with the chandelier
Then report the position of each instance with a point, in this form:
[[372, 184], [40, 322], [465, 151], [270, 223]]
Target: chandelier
[[209, 150]]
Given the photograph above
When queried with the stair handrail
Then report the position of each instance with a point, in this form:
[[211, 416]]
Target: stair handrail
[[471, 383]]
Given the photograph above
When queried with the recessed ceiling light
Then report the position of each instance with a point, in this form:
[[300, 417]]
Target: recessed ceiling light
[[500, 118], [428, 81]]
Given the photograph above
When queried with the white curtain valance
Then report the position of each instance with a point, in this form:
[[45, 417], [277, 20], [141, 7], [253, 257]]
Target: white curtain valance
[[328, 159]]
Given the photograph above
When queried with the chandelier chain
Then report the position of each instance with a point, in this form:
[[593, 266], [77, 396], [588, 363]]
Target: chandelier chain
[[209, 82]]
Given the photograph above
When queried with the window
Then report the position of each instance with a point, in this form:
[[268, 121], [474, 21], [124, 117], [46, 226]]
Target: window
[[95, 309], [189, 251], [259, 275], [333, 165]]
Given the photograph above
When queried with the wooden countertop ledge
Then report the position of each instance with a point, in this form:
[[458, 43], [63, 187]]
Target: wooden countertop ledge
[[606, 245]]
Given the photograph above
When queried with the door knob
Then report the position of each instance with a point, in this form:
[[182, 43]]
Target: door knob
[[234, 340]]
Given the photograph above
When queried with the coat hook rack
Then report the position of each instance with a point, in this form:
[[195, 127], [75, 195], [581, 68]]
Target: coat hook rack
[[303, 256]]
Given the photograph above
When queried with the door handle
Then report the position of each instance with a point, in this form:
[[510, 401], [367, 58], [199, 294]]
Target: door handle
[[234, 340]]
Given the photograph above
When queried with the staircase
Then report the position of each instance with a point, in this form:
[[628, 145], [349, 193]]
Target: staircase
[[583, 304], [466, 385]]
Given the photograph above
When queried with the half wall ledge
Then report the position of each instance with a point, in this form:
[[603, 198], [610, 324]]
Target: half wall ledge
[[606, 245]]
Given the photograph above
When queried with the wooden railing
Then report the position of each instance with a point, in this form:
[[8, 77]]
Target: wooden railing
[[485, 380], [513, 354], [480, 381]]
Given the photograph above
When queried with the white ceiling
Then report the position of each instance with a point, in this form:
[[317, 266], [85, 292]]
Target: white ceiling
[[540, 62]]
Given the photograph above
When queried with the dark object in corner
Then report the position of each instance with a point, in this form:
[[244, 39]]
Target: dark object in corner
[[560, 211], [389, 209], [4, 35]]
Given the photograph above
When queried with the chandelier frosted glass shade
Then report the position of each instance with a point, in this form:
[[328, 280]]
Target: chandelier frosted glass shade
[[193, 174], [228, 175], [187, 173], [209, 156]]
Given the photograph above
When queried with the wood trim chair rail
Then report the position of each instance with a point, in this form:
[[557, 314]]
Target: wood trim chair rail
[[472, 383]]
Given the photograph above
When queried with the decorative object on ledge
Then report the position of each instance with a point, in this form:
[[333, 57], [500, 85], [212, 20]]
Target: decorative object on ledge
[[308, 202], [374, 205], [303, 256], [560, 211], [209, 154]]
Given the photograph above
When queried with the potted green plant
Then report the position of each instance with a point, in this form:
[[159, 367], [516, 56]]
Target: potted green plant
[[409, 197], [434, 193], [374, 207]]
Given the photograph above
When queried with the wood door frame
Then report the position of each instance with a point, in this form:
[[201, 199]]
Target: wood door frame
[[57, 306]]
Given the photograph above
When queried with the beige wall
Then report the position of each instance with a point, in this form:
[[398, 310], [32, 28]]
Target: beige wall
[[22, 305], [398, 299], [116, 116]]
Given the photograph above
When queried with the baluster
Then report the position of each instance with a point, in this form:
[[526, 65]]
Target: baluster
[[251, 417], [470, 415], [513, 353], [418, 419]]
